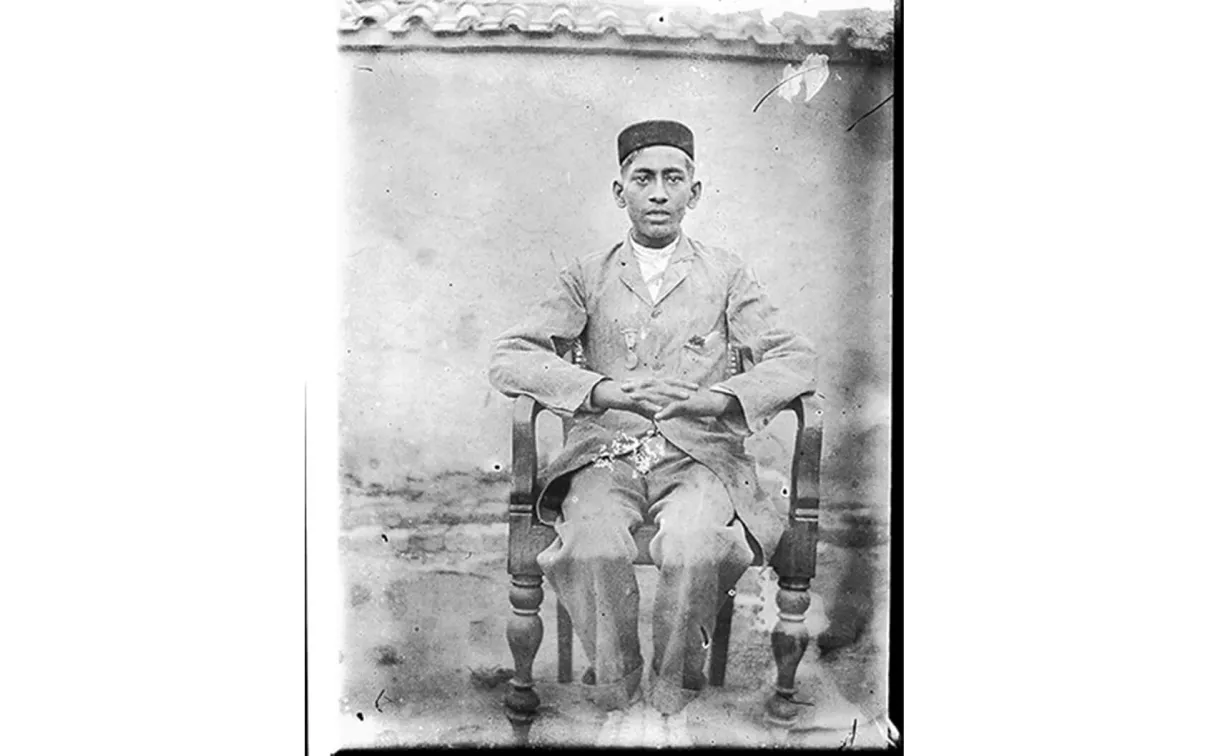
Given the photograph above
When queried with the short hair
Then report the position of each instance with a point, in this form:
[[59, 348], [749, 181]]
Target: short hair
[[626, 161]]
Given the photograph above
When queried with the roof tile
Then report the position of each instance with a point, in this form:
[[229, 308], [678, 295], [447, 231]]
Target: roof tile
[[857, 29]]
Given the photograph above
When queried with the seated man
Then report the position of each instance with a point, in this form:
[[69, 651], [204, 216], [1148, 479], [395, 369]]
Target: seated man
[[657, 426]]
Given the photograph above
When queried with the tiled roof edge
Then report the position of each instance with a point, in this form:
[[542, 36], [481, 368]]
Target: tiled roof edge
[[466, 24]]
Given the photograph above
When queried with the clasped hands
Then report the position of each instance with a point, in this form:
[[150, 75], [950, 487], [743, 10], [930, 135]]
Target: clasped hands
[[658, 398]]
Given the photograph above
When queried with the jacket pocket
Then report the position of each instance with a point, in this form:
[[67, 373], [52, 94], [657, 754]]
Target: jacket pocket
[[702, 356]]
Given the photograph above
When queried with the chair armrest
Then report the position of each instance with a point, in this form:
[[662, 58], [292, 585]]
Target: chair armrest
[[804, 467], [525, 454], [794, 557], [808, 451], [527, 536]]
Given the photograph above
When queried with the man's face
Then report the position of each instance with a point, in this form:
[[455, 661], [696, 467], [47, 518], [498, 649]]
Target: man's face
[[657, 188]]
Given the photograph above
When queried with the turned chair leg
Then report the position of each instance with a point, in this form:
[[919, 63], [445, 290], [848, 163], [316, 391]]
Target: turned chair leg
[[790, 640], [721, 641], [524, 637]]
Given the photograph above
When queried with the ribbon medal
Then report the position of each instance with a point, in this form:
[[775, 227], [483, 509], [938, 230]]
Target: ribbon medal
[[632, 341]]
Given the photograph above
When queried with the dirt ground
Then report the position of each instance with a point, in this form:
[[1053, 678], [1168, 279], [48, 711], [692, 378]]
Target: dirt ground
[[425, 659]]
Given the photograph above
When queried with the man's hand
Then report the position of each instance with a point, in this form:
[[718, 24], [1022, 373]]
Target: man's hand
[[702, 403], [642, 396]]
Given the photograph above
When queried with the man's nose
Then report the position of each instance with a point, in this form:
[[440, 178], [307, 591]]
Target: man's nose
[[658, 193]]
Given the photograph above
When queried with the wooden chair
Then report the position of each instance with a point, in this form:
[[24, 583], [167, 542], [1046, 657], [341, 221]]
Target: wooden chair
[[793, 560]]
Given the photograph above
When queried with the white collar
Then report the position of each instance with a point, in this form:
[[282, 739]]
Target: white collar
[[654, 252]]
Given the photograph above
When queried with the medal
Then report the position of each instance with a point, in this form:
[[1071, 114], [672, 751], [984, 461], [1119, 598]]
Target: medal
[[632, 341]]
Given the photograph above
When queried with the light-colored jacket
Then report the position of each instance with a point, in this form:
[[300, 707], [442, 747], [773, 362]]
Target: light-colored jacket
[[709, 300]]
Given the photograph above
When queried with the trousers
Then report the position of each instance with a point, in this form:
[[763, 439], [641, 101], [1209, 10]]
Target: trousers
[[700, 550]]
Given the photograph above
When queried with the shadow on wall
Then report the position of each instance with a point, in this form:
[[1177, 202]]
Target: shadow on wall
[[856, 504], [858, 444]]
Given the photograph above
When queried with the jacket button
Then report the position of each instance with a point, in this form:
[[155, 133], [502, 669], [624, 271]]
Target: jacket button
[[655, 313]]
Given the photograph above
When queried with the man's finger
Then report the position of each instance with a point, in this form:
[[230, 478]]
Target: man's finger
[[659, 397], [671, 410], [673, 393], [682, 383], [647, 395]]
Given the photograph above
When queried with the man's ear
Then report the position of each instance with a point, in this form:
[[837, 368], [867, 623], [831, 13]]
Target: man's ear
[[695, 193], [617, 194]]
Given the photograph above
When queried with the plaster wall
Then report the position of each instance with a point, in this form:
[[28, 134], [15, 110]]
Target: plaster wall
[[472, 178]]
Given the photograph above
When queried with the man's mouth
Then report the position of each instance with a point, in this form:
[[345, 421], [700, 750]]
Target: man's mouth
[[659, 214]]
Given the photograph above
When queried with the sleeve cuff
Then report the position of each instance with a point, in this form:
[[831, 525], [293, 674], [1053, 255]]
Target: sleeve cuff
[[737, 425], [587, 406]]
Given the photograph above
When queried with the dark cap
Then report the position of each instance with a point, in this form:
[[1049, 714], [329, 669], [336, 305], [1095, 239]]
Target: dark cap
[[648, 133]]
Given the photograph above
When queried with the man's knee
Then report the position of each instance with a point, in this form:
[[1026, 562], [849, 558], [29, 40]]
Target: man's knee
[[690, 545], [598, 541], [687, 542]]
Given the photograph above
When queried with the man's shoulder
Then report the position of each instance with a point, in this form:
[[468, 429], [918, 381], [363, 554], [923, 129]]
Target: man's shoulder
[[592, 265], [586, 267], [718, 256], [598, 257]]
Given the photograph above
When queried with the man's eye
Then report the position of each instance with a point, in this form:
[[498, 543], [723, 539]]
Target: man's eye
[[640, 179], [674, 179]]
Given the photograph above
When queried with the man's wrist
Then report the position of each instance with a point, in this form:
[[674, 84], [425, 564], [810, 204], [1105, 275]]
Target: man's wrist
[[606, 395], [725, 402]]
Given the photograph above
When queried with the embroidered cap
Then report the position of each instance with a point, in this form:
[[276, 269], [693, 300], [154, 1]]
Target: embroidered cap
[[649, 133]]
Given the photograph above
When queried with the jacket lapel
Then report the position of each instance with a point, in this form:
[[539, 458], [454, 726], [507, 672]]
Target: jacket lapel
[[628, 271], [678, 267]]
